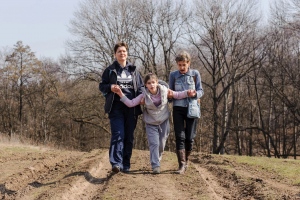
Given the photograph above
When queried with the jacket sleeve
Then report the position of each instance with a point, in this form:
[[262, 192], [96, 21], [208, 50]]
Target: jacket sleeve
[[198, 84], [171, 81], [105, 84], [140, 83]]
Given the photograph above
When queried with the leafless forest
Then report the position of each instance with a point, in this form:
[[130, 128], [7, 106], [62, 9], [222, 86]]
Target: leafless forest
[[250, 72]]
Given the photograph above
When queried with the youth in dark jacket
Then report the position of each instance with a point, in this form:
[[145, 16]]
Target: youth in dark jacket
[[121, 74]]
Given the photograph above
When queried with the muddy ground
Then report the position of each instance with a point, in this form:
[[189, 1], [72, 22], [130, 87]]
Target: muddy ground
[[29, 173]]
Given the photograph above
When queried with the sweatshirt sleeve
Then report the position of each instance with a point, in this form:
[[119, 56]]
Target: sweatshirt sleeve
[[131, 103], [180, 94]]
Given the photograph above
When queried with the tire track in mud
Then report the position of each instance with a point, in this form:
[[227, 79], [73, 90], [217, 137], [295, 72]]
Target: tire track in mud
[[231, 180], [31, 175], [217, 192], [140, 183], [58, 174], [87, 186]]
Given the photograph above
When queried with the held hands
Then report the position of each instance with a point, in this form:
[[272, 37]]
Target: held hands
[[191, 93], [116, 89], [142, 101], [170, 94]]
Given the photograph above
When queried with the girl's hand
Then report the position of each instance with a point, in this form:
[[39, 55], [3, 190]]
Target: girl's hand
[[142, 101], [170, 94]]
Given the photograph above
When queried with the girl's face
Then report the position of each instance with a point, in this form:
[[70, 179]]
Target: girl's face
[[152, 86], [183, 66], [121, 54]]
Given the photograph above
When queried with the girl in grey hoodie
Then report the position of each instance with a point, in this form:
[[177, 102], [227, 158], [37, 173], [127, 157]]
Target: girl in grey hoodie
[[156, 114]]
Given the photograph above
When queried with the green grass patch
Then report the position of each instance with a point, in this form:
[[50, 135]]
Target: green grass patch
[[287, 168]]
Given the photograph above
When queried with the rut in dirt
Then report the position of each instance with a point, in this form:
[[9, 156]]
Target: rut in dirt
[[54, 174]]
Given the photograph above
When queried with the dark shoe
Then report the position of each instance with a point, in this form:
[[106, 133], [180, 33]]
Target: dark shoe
[[181, 161], [116, 169], [156, 170], [126, 170]]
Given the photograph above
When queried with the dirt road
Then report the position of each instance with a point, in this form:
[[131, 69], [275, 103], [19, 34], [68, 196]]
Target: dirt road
[[30, 173]]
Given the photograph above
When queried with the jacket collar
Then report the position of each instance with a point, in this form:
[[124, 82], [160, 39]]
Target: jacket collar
[[178, 74], [116, 66]]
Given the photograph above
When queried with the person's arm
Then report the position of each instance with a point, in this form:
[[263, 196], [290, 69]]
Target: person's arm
[[105, 85], [183, 94], [140, 83], [130, 103], [171, 82], [198, 85], [171, 87]]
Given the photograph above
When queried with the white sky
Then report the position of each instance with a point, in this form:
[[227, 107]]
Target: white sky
[[41, 24]]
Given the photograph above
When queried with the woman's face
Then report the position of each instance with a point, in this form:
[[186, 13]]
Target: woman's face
[[152, 86], [121, 54], [183, 66]]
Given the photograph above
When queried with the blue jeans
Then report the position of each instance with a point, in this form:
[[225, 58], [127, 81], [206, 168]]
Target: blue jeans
[[122, 124], [184, 127]]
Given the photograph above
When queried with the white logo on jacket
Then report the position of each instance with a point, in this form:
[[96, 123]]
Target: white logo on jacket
[[125, 81]]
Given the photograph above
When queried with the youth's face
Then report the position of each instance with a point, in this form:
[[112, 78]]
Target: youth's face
[[183, 66], [121, 54], [152, 86]]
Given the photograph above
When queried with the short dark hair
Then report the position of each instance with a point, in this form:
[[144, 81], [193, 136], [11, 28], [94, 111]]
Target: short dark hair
[[183, 56], [120, 44]]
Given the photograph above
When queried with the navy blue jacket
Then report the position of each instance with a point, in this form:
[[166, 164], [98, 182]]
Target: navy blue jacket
[[109, 77]]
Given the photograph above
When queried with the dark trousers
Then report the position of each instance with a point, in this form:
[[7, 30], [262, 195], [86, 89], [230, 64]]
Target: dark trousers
[[184, 127], [122, 123]]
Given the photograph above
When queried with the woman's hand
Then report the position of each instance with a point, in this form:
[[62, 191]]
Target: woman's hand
[[116, 89], [191, 93], [170, 94]]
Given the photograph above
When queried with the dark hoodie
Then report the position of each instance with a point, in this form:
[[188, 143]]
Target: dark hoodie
[[109, 77]]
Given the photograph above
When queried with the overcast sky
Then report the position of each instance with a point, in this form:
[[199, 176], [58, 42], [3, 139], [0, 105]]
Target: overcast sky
[[41, 24]]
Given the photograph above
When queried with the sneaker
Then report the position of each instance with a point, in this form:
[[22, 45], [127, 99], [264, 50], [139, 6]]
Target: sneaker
[[156, 170], [127, 170], [116, 169]]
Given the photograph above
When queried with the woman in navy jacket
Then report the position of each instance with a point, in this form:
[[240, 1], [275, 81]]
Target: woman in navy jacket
[[121, 74]]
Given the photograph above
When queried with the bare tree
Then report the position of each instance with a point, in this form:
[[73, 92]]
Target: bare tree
[[96, 27], [21, 65], [163, 26], [223, 33]]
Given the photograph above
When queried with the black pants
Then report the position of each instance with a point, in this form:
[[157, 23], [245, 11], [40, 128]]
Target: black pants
[[184, 127]]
